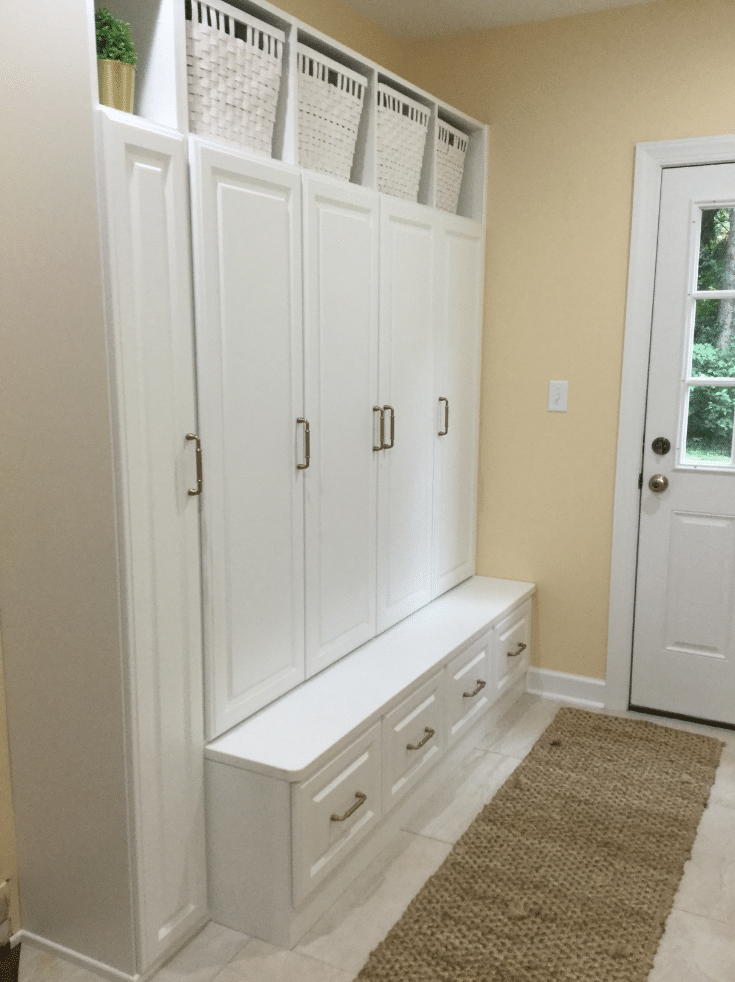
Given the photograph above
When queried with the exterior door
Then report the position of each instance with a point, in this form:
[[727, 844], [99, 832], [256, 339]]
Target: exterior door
[[684, 639], [341, 350], [247, 276]]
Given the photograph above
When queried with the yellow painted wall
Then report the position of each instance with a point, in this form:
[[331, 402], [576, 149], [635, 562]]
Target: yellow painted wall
[[567, 101], [8, 862], [337, 21]]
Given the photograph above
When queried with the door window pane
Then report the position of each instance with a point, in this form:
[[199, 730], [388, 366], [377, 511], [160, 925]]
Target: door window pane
[[710, 425], [717, 250], [713, 351]]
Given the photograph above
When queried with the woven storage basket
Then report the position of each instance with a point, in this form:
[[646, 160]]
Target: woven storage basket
[[402, 126], [451, 147], [234, 71], [330, 106]]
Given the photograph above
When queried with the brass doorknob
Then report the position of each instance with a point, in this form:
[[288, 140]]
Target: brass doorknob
[[658, 483]]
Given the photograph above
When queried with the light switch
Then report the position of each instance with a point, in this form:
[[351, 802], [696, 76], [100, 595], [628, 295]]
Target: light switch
[[558, 397]]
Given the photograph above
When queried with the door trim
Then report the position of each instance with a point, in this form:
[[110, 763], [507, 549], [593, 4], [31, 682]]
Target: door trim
[[650, 160]]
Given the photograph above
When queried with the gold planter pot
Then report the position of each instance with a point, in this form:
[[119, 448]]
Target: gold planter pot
[[116, 84]]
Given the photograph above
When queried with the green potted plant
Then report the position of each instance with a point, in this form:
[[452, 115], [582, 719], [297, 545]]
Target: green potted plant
[[116, 60]]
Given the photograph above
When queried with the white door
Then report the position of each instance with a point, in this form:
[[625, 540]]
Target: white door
[[684, 642], [148, 270], [405, 466], [341, 350], [459, 279], [247, 266]]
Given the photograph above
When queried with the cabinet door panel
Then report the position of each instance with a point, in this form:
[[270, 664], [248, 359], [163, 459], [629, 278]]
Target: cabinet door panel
[[459, 279], [405, 472], [147, 245], [341, 305], [249, 344]]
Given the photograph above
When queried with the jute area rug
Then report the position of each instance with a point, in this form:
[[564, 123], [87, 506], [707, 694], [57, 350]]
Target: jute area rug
[[570, 872]]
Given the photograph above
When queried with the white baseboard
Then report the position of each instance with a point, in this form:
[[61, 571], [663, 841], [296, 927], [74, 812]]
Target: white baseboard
[[99, 968], [576, 689]]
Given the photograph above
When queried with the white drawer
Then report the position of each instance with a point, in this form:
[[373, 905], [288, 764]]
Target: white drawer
[[334, 810], [513, 646], [413, 739], [470, 687]]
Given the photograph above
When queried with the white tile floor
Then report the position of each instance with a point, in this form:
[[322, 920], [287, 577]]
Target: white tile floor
[[698, 945]]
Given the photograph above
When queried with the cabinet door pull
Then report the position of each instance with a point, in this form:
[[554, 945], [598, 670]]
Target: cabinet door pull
[[381, 435], [361, 799], [446, 416], [307, 444], [521, 647], [480, 685], [389, 446], [417, 746], [200, 476]]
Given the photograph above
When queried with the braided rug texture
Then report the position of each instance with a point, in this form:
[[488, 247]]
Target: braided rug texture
[[569, 873]]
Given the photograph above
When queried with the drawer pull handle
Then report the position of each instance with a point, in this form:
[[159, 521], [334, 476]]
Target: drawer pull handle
[[307, 443], [200, 479], [521, 648], [429, 734], [361, 799], [446, 416], [480, 685], [379, 409]]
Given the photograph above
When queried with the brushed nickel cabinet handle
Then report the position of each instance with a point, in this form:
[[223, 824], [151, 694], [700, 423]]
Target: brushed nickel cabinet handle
[[200, 476], [521, 648], [379, 409], [480, 685], [389, 446], [446, 416], [417, 746], [361, 799], [307, 444]]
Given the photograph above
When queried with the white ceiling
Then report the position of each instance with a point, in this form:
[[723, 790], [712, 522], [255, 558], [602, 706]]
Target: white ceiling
[[411, 19]]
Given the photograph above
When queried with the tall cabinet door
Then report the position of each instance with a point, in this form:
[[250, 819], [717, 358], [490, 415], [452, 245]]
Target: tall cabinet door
[[341, 310], [459, 279], [405, 469], [247, 276], [152, 347]]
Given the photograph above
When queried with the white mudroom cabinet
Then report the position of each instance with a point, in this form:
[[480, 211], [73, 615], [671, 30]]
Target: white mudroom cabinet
[[293, 382]]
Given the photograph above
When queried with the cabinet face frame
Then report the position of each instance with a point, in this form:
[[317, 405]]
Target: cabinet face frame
[[146, 238], [341, 230], [247, 275]]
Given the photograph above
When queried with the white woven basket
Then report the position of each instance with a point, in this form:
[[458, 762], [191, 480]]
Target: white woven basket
[[330, 106], [234, 71], [451, 147], [402, 126]]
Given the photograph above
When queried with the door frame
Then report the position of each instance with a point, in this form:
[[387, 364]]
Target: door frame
[[650, 161]]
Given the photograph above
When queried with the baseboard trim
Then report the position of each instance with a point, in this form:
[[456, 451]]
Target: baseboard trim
[[577, 689], [99, 968]]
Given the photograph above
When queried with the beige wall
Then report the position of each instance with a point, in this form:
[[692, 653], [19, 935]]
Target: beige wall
[[8, 864], [337, 21], [567, 101]]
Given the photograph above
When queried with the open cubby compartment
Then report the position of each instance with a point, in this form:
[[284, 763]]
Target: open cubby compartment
[[473, 190], [407, 100], [314, 52]]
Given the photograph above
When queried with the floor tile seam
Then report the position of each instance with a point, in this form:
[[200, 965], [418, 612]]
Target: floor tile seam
[[704, 917]]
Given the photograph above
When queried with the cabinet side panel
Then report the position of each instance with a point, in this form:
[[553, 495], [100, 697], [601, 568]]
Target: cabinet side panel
[[147, 220]]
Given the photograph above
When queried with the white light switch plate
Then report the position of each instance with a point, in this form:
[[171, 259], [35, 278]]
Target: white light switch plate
[[558, 397]]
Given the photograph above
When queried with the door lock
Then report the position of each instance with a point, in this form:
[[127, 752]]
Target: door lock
[[658, 483], [661, 446]]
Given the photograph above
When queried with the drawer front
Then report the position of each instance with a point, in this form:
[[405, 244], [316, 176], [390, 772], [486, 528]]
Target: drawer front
[[334, 810], [413, 739], [513, 646], [470, 687]]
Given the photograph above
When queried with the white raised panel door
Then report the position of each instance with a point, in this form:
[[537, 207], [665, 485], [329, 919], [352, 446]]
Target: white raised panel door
[[405, 469], [459, 286], [147, 251], [247, 263], [341, 331]]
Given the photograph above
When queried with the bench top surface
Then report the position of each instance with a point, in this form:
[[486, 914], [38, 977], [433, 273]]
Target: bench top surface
[[296, 732]]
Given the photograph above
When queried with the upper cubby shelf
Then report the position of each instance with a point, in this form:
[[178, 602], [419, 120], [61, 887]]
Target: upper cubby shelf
[[390, 135]]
